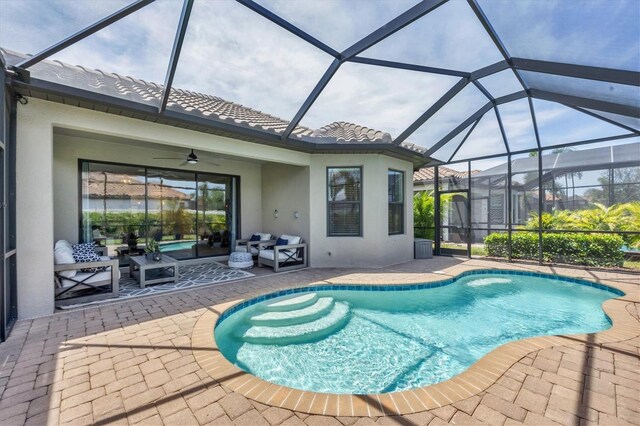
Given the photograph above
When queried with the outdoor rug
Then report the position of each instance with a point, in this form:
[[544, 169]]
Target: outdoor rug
[[190, 276]]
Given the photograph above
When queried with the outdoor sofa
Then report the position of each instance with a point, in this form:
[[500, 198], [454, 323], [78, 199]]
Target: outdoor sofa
[[81, 282], [283, 257]]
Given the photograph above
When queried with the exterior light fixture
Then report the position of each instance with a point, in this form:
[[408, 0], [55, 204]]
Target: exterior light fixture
[[275, 213], [296, 214]]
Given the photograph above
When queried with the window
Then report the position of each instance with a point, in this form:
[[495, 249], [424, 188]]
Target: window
[[190, 214], [396, 202], [344, 201]]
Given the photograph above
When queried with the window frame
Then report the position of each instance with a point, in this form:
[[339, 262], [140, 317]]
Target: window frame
[[329, 203], [401, 203], [236, 185]]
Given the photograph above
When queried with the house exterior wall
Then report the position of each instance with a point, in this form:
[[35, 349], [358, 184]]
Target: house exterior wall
[[47, 190], [69, 149], [41, 177], [375, 248], [286, 189]]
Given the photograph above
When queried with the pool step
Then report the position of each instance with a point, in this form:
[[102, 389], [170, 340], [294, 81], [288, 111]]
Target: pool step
[[299, 333], [293, 317], [292, 303]]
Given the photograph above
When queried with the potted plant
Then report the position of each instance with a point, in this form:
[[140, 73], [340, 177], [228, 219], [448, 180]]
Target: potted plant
[[153, 249], [132, 241]]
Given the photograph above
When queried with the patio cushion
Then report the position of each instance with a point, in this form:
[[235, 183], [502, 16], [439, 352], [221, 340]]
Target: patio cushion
[[263, 237], [63, 255], [292, 239], [255, 237], [283, 255], [100, 276], [282, 242]]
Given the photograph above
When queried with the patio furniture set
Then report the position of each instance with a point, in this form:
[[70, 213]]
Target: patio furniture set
[[84, 273], [286, 252]]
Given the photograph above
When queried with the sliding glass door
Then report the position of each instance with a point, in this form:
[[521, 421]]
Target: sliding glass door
[[216, 215], [190, 214]]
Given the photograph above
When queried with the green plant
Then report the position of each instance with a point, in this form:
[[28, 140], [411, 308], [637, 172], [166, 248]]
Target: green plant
[[619, 217], [152, 246], [573, 248], [424, 214]]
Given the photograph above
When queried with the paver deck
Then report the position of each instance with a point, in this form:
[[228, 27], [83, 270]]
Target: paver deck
[[133, 363]]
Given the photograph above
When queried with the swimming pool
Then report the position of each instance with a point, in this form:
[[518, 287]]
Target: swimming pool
[[378, 339], [178, 245]]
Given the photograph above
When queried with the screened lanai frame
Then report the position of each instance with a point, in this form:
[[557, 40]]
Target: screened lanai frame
[[542, 172], [400, 144], [19, 83]]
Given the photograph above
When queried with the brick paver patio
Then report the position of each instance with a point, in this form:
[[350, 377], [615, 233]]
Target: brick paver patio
[[133, 363]]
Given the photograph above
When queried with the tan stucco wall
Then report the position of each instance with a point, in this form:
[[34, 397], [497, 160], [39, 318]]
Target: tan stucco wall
[[286, 189], [376, 247], [35, 181], [271, 178], [68, 149]]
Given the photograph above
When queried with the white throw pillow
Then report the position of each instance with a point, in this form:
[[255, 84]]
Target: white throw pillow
[[291, 239], [263, 237], [63, 243], [63, 255]]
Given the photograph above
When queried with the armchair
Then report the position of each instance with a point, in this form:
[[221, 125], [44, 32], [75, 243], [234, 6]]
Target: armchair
[[283, 257]]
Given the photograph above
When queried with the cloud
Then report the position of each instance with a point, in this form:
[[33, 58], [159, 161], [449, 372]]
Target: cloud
[[382, 98], [586, 32], [449, 37], [338, 23], [231, 52]]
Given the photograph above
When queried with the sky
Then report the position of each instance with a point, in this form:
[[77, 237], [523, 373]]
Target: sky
[[231, 52]]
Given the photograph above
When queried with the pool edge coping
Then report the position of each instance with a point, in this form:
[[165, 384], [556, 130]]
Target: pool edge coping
[[475, 379]]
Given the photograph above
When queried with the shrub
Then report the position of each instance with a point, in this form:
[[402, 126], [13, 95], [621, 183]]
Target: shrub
[[619, 217], [578, 249]]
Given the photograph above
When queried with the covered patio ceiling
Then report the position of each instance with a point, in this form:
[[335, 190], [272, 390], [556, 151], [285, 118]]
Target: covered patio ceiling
[[435, 81]]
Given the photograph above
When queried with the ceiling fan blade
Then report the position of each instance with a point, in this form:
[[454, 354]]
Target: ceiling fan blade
[[184, 163], [210, 162], [168, 158]]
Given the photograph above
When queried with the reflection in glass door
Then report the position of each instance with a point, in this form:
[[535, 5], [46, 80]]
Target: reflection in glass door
[[171, 196], [189, 214], [216, 224], [454, 223]]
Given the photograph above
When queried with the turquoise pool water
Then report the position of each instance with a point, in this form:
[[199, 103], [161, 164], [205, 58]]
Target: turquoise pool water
[[180, 245], [345, 341]]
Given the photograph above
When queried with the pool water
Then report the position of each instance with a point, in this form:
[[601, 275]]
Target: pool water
[[345, 341], [180, 245]]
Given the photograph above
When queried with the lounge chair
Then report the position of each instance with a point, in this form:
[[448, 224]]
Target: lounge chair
[[292, 255], [251, 245], [72, 285]]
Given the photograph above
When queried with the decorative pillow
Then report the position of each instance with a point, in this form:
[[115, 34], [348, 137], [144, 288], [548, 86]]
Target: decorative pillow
[[255, 237], [282, 242], [63, 243], [63, 255], [84, 248], [291, 238], [263, 237], [81, 257]]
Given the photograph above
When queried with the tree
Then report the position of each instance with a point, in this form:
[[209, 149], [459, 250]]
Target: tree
[[626, 189], [424, 215]]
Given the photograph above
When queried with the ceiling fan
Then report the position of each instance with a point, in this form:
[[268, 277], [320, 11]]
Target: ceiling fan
[[190, 158]]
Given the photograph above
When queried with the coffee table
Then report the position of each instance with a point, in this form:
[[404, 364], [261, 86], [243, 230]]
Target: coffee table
[[148, 271]]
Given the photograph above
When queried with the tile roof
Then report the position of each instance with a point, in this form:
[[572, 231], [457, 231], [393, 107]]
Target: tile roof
[[194, 103], [349, 132], [427, 173], [127, 186]]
